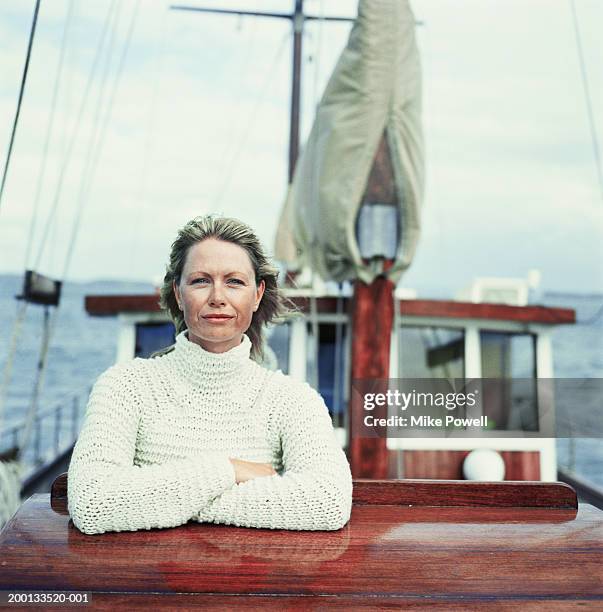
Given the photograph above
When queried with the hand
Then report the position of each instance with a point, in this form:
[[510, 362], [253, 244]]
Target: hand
[[246, 470]]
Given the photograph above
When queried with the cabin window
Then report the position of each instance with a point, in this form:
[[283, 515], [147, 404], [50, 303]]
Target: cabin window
[[431, 352], [510, 357], [151, 337], [329, 378]]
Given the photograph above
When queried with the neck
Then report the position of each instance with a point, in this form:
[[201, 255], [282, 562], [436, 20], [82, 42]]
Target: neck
[[215, 347], [201, 365]]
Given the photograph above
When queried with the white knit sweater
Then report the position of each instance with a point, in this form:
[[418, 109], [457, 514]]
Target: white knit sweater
[[155, 443]]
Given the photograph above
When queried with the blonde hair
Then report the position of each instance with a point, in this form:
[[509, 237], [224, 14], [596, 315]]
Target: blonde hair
[[273, 307]]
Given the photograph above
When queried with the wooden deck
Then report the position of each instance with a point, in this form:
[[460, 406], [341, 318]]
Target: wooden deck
[[409, 544]]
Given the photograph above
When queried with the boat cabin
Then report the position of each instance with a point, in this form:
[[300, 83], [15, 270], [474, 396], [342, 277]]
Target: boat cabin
[[430, 339]]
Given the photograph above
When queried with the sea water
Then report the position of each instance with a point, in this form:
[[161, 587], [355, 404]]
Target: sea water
[[578, 353]]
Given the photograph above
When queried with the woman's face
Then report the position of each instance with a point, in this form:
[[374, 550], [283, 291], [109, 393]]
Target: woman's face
[[217, 294]]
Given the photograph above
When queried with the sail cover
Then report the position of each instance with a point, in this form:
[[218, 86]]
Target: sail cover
[[374, 90]]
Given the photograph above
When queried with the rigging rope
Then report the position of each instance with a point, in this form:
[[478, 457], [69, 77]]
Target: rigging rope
[[251, 122], [50, 324], [337, 374], [8, 367], [149, 145], [23, 307], [10, 359], [589, 108], [21, 91], [94, 139], [49, 129], [103, 132], [593, 318], [74, 134], [315, 337], [10, 471], [318, 56], [230, 139]]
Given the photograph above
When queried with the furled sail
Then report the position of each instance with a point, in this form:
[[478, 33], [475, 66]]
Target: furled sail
[[373, 95]]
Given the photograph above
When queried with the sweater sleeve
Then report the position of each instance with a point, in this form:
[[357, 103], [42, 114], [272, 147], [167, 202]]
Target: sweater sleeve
[[107, 492], [315, 490]]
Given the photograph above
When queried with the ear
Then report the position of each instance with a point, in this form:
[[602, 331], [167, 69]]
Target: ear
[[258, 295], [177, 294]]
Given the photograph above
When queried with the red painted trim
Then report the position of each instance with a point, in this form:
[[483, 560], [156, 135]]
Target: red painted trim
[[502, 312], [107, 305], [111, 305]]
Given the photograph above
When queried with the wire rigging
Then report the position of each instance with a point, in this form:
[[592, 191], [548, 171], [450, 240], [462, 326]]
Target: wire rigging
[[317, 58], [593, 318], [251, 123], [21, 91], [49, 325], [50, 322], [74, 134], [149, 143], [103, 134], [235, 126], [587, 98], [10, 358], [49, 129], [94, 137], [22, 309]]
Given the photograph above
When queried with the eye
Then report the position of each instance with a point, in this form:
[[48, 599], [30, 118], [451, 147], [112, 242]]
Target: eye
[[236, 281], [201, 281]]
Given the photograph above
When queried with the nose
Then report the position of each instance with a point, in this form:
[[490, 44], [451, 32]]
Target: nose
[[216, 298]]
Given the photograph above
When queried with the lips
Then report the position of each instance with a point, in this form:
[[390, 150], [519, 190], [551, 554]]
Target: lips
[[218, 317]]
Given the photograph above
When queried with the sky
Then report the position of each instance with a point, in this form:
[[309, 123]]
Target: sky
[[197, 121]]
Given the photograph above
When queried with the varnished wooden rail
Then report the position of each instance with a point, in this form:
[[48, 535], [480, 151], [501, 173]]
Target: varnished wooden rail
[[450, 493], [440, 493]]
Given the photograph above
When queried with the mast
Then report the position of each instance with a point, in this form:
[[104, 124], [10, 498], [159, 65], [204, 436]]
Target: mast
[[298, 20], [298, 29], [372, 319]]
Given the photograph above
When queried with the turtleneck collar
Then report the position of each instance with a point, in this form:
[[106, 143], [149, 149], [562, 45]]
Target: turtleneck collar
[[194, 361]]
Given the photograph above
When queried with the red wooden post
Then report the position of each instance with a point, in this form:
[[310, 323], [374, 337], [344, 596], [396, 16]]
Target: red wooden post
[[372, 318], [373, 313]]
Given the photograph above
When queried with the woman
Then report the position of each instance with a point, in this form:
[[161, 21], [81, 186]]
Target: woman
[[202, 431]]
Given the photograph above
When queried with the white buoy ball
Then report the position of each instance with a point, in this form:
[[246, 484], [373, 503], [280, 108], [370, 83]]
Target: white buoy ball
[[484, 464]]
